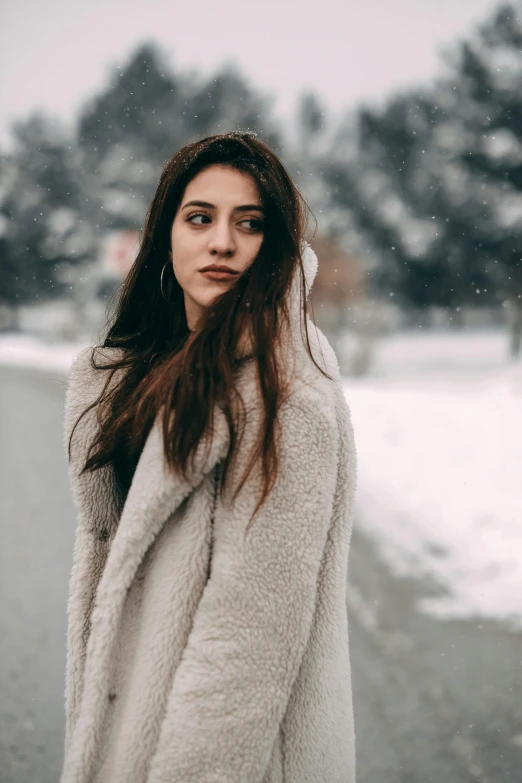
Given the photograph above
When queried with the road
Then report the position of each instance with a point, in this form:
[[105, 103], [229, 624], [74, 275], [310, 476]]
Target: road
[[434, 700]]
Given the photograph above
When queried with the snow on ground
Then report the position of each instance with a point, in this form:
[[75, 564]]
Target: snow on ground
[[438, 429], [25, 351]]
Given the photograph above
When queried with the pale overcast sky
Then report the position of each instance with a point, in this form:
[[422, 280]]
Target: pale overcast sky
[[55, 53]]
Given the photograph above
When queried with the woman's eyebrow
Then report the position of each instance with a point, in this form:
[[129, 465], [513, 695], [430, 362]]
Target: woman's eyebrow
[[243, 208]]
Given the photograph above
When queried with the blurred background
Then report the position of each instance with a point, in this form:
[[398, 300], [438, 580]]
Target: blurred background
[[401, 124]]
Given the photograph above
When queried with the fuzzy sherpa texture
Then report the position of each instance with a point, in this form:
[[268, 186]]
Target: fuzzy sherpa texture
[[240, 676]]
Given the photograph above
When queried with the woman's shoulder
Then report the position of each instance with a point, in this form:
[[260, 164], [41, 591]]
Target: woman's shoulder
[[91, 359], [85, 384], [83, 361], [317, 375], [321, 396], [86, 376]]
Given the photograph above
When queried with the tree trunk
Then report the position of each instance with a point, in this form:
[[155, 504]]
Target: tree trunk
[[514, 312]]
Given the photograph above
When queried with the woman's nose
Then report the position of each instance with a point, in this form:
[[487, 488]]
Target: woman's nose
[[221, 239]]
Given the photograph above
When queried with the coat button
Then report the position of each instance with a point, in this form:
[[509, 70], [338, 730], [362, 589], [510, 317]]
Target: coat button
[[104, 535], [112, 696]]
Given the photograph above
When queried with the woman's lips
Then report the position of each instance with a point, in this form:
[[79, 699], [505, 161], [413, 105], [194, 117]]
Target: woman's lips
[[214, 275]]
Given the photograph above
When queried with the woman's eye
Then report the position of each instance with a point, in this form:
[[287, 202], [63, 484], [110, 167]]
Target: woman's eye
[[258, 225], [195, 215]]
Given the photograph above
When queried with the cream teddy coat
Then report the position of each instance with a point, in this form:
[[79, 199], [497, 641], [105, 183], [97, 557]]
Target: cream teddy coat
[[195, 654]]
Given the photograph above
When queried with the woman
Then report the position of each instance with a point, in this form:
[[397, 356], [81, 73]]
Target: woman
[[213, 468]]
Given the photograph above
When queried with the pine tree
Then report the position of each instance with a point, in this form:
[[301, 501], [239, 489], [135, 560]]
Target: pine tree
[[42, 204]]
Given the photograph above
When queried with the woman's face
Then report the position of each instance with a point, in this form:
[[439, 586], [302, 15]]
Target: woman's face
[[226, 228]]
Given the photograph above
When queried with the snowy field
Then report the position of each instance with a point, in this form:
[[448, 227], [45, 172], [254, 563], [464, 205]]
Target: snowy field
[[438, 429], [21, 351]]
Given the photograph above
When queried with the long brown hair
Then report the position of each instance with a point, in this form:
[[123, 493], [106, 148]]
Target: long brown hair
[[185, 373]]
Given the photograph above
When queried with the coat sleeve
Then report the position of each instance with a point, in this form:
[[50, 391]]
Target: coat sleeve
[[232, 685]]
